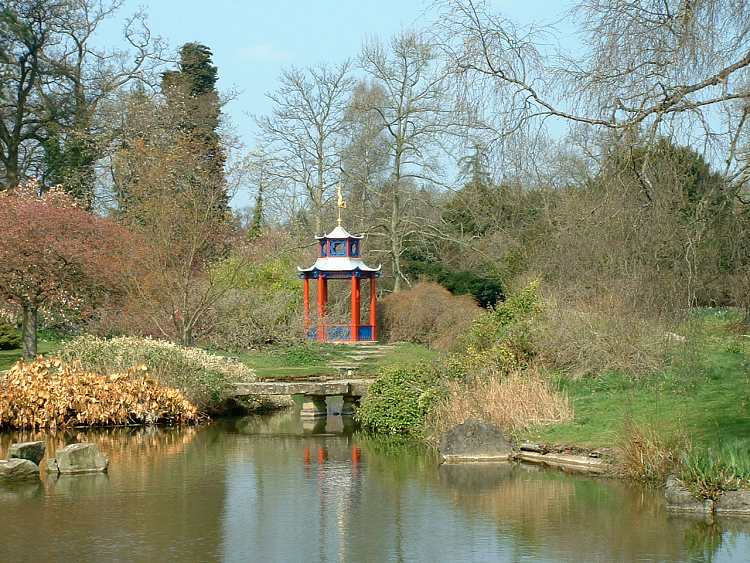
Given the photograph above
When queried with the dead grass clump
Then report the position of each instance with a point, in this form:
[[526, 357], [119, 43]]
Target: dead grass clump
[[517, 401], [593, 335], [49, 394], [428, 314], [644, 454]]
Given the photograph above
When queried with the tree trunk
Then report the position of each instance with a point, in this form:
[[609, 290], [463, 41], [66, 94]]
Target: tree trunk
[[28, 330], [187, 336], [11, 168], [396, 222]]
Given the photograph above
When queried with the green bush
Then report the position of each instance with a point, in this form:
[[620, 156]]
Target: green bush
[[9, 336], [486, 291], [399, 400], [201, 376], [498, 340]]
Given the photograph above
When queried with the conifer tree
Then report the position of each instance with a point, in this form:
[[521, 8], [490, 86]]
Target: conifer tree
[[191, 93]]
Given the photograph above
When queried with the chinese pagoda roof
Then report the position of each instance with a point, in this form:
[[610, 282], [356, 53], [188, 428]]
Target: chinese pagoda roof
[[338, 232], [339, 264]]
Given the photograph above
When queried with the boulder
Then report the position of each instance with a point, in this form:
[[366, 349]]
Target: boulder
[[33, 451], [734, 502], [474, 441], [78, 458], [680, 498], [18, 469]]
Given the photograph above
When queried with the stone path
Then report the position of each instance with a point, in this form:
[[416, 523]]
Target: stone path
[[359, 354]]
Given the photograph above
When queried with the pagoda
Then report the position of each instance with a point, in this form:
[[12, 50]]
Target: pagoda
[[339, 258]]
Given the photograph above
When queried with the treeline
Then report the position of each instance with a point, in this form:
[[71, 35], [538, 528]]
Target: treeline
[[637, 207]]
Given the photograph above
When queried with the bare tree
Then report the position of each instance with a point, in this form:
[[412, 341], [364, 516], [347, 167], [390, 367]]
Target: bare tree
[[411, 111], [305, 130], [266, 189], [366, 156], [648, 69]]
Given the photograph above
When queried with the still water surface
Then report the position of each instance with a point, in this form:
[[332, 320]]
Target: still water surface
[[270, 489]]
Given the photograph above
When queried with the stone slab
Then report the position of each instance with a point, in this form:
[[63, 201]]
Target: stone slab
[[734, 502], [566, 461], [357, 387], [680, 499], [476, 458]]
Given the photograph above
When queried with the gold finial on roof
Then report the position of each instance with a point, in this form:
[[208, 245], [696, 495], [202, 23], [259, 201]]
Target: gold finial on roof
[[341, 204]]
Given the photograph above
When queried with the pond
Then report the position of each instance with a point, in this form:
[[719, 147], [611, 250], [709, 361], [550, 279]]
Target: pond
[[271, 488]]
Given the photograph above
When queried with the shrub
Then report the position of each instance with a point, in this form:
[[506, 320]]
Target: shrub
[[486, 291], [590, 335], [49, 394], [427, 314], [249, 318], [9, 336], [399, 400], [514, 401], [202, 376], [263, 304], [645, 454], [499, 340]]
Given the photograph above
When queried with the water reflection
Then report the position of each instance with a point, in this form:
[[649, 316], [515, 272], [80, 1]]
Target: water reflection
[[280, 489]]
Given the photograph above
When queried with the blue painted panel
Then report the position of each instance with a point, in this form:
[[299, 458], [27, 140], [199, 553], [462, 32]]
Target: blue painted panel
[[338, 247], [338, 333], [365, 332]]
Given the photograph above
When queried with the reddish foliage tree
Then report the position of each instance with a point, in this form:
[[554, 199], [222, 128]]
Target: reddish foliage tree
[[55, 254]]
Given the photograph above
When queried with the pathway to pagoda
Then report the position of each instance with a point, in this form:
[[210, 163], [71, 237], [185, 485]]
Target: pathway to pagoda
[[313, 390]]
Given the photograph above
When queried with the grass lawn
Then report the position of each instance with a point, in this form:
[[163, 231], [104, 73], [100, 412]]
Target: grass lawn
[[315, 359], [704, 395], [10, 357]]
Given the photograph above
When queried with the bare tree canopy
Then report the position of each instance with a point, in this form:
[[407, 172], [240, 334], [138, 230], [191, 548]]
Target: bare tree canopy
[[660, 67], [305, 129]]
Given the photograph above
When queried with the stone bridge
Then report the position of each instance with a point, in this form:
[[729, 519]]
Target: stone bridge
[[312, 393]]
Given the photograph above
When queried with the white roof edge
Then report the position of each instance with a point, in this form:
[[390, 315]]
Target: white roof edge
[[343, 264], [339, 232]]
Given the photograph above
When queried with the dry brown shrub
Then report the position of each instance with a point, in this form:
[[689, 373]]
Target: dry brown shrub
[[645, 454], [517, 401], [428, 314], [46, 393], [601, 332]]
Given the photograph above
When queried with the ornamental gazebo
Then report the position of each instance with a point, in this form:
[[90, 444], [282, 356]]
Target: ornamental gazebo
[[339, 259]]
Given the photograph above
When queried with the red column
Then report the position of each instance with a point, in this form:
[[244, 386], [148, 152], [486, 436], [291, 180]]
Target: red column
[[322, 291], [306, 299], [355, 308], [373, 307]]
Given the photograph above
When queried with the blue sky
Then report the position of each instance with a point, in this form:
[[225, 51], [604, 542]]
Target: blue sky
[[253, 40]]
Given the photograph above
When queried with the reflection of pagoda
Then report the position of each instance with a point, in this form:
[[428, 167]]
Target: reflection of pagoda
[[339, 259]]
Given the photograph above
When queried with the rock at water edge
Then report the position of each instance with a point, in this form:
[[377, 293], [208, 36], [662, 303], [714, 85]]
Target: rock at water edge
[[734, 502], [78, 458], [474, 440], [18, 469], [33, 451], [680, 498]]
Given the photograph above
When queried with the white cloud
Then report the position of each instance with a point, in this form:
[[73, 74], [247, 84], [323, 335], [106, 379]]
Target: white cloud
[[264, 52]]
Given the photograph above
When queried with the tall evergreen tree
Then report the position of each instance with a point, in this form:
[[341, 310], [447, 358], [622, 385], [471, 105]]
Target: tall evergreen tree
[[191, 93]]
